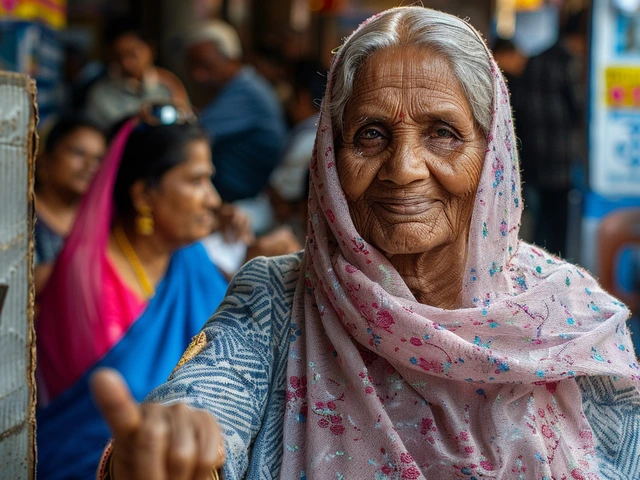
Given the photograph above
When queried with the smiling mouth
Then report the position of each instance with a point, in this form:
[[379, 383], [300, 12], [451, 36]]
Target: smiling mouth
[[407, 207]]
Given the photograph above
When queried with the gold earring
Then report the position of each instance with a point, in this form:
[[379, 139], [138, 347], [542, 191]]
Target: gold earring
[[144, 222]]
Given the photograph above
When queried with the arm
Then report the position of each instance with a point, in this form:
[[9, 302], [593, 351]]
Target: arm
[[41, 274], [228, 380], [612, 408], [231, 377]]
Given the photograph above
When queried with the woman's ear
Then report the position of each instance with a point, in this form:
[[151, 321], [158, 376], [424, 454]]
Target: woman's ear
[[140, 198]]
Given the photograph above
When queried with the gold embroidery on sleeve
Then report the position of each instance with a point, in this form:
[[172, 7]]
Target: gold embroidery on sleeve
[[195, 347]]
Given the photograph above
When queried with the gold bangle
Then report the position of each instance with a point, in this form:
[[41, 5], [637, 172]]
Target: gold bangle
[[215, 475]]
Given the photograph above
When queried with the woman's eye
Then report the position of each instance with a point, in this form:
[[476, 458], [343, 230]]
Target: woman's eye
[[444, 133], [197, 181], [370, 141], [370, 134]]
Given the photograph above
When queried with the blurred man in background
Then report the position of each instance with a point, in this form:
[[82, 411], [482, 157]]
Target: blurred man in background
[[550, 125], [241, 112]]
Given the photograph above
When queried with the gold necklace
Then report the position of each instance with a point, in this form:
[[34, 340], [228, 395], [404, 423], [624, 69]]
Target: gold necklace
[[134, 261]]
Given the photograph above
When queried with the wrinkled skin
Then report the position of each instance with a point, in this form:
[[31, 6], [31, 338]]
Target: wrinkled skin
[[409, 164], [156, 441]]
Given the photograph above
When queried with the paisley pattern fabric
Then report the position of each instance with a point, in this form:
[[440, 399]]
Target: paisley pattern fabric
[[381, 386], [240, 377]]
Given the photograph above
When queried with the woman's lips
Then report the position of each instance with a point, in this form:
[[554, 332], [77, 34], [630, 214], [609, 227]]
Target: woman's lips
[[405, 206], [208, 219]]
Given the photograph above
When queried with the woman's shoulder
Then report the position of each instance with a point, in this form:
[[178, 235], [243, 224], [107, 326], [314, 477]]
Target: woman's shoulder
[[269, 273], [612, 408], [540, 264], [264, 284], [48, 242]]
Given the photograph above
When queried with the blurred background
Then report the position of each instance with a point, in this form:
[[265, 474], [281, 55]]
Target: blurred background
[[254, 72], [573, 68]]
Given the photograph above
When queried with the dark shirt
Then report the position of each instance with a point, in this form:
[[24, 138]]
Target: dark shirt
[[548, 108], [248, 130], [47, 243]]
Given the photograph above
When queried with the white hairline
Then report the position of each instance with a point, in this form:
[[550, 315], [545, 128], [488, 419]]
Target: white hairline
[[442, 33]]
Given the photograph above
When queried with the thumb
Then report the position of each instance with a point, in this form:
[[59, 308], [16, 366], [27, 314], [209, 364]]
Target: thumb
[[113, 398]]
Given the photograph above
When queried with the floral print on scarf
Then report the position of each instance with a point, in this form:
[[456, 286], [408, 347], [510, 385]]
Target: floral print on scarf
[[380, 386]]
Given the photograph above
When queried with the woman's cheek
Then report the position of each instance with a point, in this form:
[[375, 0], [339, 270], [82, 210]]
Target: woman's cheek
[[354, 177], [463, 181]]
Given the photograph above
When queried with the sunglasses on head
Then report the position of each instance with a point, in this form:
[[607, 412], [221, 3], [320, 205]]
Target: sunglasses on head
[[159, 113]]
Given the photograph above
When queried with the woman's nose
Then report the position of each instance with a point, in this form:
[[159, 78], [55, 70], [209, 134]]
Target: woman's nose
[[406, 164]]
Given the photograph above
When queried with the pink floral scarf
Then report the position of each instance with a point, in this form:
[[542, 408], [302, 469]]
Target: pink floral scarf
[[381, 386]]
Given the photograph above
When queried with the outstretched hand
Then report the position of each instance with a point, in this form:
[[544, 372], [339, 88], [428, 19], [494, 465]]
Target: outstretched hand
[[155, 441]]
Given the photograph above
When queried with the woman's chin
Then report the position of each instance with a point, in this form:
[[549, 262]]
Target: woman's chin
[[401, 242], [413, 248]]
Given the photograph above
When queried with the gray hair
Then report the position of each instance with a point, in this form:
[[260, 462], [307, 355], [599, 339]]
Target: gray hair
[[221, 34], [442, 33]]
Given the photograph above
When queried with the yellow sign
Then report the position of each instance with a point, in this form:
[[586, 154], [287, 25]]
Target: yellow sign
[[529, 4], [623, 87], [52, 13]]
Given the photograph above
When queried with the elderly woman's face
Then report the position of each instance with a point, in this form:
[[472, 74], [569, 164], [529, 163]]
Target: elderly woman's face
[[412, 153]]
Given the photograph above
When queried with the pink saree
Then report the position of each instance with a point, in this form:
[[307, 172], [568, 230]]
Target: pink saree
[[75, 329]]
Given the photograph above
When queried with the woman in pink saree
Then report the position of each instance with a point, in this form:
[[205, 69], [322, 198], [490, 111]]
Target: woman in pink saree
[[132, 284], [416, 337]]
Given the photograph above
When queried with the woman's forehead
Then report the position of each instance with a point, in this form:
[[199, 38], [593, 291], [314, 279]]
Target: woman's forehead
[[418, 78], [405, 67]]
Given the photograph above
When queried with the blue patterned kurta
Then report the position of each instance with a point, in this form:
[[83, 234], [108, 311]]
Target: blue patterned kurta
[[240, 378]]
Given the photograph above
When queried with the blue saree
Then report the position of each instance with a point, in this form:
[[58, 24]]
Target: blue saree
[[70, 433]]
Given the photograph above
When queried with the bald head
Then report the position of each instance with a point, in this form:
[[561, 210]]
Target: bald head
[[214, 55], [222, 35], [209, 69]]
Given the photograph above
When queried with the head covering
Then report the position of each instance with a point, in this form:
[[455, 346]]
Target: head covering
[[221, 34], [382, 386], [72, 305]]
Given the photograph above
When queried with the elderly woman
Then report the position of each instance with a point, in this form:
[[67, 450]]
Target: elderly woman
[[416, 337]]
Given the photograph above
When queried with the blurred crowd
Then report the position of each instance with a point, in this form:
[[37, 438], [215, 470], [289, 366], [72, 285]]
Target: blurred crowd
[[549, 102], [548, 98], [147, 204], [260, 120]]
